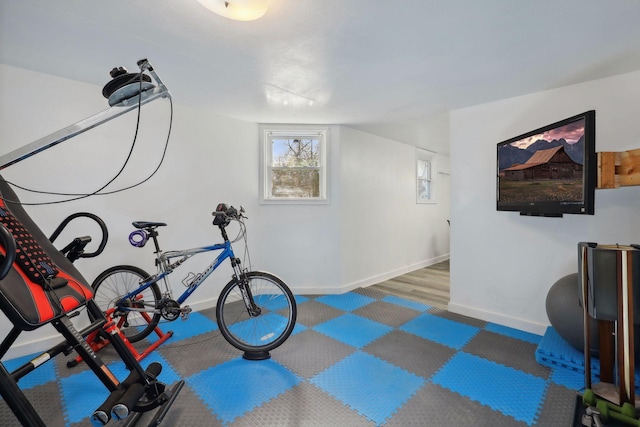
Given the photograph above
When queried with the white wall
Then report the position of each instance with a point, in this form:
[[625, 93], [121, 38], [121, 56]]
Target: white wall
[[384, 232], [371, 230], [503, 264]]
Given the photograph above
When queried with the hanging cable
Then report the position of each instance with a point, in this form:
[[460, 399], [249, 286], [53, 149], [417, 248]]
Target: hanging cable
[[99, 192]]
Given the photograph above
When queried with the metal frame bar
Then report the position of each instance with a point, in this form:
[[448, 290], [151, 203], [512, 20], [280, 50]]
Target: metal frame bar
[[160, 91]]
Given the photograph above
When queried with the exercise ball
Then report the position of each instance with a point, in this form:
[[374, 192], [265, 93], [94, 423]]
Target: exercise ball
[[565, 313]]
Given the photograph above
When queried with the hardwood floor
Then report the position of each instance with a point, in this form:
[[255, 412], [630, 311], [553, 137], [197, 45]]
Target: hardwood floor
[[429, 285]]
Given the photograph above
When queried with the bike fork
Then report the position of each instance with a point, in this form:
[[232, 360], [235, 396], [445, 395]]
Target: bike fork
[[247, 296]]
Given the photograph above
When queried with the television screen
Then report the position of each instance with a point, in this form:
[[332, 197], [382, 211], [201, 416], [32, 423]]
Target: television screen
[[549, 171]]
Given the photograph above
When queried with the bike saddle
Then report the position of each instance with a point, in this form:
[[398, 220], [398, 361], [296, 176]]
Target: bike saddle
[[147, 224]]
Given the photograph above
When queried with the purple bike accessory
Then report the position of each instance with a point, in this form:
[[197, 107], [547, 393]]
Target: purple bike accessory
[[138, 238]]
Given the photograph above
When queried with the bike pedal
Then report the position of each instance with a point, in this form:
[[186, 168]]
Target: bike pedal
[[185, 312]]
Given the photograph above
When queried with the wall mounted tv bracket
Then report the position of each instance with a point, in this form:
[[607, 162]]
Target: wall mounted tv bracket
[[125, 92]]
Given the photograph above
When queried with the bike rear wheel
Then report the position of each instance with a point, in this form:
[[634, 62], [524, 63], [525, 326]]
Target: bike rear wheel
[[269, 323], [112, 284]]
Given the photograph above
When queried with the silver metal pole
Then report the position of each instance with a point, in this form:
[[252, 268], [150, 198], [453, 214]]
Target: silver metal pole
[[144, 97]]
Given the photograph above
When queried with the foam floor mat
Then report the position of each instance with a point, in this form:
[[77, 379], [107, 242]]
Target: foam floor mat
[[363, 358]]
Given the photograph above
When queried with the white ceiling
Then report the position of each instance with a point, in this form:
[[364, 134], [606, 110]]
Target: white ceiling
[[384, 66]]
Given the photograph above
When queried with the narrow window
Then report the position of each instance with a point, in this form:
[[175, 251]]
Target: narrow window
[[425, 184]]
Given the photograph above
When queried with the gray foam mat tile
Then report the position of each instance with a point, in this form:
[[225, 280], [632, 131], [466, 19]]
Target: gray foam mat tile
[[389, 314], [507, 351], [45, 400], [457, 317], [554, 408], [188, 410], [371, 293], [300, 353], [433, 405], [304, 405], [192, 355], [312, 313], [210, 313], [419, 356]]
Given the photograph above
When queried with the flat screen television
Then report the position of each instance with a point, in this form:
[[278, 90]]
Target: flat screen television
[[549, 171]]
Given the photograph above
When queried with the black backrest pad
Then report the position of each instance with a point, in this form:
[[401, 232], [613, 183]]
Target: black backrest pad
[[43, 284]]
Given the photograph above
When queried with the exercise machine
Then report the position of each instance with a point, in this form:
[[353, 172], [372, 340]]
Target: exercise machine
[[39, 285]]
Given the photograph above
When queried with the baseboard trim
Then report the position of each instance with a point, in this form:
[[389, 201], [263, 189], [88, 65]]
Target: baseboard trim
[[500, 319], [369, 281]]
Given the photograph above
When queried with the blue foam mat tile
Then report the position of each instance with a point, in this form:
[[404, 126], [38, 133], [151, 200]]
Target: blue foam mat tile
[[568, 378], [556, 353], [81, 394], [376, 396], [494, 385], [443, 331], [353, 330], [196, 324], [553, 351], [236, 387], [270, 324], [43, 374], [348, 302]]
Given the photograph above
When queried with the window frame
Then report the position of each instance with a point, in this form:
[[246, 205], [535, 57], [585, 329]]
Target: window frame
[[428, 157], [267, 133]]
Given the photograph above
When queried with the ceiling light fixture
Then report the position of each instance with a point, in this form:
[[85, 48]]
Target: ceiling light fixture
[[239, 10]]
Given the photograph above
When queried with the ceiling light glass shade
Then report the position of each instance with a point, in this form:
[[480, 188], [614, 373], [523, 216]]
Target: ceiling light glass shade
[[239, 10]]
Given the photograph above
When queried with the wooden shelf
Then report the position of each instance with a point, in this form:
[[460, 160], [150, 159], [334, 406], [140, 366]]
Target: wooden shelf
[[618, 168]]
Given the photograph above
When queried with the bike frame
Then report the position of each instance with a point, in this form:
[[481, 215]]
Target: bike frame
[[165, 267], [227, 252]]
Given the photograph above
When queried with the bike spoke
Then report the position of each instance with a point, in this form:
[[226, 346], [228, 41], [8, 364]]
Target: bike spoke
[[258, 315]]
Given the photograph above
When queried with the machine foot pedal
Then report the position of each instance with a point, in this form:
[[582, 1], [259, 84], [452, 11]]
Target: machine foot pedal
[[162, 410]]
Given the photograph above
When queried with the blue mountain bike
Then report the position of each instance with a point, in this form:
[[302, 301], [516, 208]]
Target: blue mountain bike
[[256, 311]]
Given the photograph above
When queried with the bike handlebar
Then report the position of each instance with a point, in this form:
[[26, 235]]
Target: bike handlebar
[[224, 213]]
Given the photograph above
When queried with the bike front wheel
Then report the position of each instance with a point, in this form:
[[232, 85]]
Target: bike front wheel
[[258, 314], [136, 317]]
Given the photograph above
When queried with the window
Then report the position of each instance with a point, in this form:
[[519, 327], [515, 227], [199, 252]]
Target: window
[[294, 164], [425, 185]]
